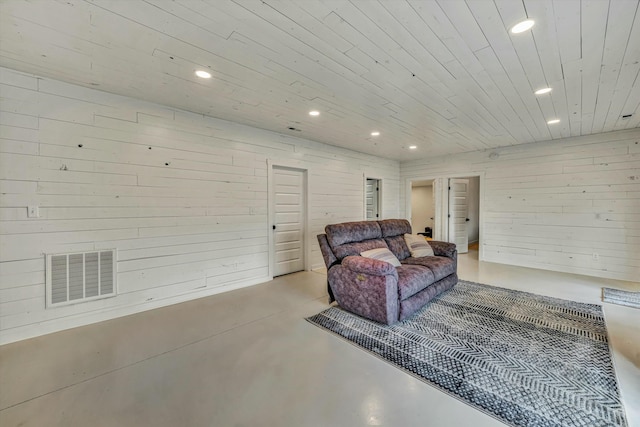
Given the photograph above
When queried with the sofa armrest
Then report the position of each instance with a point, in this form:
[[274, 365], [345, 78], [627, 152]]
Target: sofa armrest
[[444, 249], [366, 288], [369, 266], [327, 254]]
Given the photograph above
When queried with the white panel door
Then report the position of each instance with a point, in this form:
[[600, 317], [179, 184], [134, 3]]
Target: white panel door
[[289, 220], [458, 213], [441, 203], [373, 190]]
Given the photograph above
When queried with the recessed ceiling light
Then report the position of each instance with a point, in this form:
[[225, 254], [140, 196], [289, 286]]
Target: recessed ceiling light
[[314, 113], [543, 91], [413, 147], [375, 133], [554, 121], [203, 74], [522, 26]]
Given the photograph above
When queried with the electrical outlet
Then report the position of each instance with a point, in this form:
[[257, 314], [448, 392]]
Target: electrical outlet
[[33, 212]]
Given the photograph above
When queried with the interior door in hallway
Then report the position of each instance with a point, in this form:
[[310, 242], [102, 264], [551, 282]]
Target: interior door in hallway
[[372, 199], [289, 209], [458, 213]]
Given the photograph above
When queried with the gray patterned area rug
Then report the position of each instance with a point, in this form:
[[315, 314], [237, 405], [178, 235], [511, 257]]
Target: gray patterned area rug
[[525, 359], [620, 297]]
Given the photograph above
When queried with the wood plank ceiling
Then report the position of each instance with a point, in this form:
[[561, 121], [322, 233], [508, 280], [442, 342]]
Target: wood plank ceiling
[[446, 76]]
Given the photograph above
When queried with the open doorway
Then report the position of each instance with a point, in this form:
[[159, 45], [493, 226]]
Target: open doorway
[[423, 207], [447, 208]]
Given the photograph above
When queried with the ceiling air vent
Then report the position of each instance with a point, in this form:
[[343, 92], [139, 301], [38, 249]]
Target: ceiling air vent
[[80, 276]]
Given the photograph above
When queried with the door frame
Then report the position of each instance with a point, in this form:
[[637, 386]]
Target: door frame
[[271, 211], [365, 177], [442, 204]]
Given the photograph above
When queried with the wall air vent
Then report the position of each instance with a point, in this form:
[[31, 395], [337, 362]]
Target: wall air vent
[[80, 276]]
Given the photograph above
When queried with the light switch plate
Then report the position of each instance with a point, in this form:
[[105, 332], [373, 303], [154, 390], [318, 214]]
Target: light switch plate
[[33, 212]]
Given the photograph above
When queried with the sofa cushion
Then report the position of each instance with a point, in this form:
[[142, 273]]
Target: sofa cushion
[[412, 279], [440, 266], [394, 227], [417, 301], [398, 247], [348, 232], [382, 254], [418, 246], [355, 248], [444, 249], [393, 231]]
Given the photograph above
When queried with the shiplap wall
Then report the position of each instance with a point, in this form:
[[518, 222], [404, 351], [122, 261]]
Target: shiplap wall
[[571, 205], [194, 227]]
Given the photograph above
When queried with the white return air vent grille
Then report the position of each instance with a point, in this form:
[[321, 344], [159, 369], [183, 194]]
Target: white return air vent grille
[[81, 276]]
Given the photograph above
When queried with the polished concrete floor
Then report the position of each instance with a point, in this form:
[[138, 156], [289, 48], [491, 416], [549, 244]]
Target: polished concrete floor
[[248, 358]]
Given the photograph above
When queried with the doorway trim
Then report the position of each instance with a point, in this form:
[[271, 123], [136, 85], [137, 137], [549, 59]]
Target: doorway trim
[[442, 203], [271, 212]]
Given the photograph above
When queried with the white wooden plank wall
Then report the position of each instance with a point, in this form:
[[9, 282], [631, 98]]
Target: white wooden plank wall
[[571, 205], [182, 197]]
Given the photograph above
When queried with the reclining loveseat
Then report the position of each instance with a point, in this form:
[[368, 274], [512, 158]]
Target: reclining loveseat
[[373, 288]]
